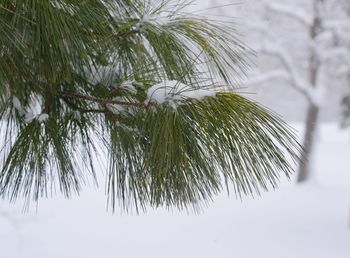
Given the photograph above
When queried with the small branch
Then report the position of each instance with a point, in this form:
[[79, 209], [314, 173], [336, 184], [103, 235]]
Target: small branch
[[336, 24], [96, 111], [102, 101], [273, 49], [267, 76], [126, 33], [337, 52], [292, 12]]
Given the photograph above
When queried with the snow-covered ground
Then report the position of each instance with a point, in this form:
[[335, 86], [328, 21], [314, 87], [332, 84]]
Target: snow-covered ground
[[296, 221]]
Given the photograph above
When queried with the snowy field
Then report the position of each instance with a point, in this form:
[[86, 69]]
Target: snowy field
[[296, 221]]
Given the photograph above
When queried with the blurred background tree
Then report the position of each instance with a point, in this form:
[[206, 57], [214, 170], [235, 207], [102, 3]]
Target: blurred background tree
[[306, 45]]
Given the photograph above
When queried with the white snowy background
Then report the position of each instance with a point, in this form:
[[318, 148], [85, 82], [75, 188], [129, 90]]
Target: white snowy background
[[310, 220]]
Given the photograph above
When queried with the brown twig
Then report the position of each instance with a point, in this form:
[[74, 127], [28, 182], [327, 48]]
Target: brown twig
[[100, 111], [102, 101]]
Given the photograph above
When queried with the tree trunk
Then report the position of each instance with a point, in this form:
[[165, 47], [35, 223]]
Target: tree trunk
[[312, 118]]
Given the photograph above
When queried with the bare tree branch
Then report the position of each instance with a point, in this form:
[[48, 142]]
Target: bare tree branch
[[292, 12], [267, 76], [287, 62]]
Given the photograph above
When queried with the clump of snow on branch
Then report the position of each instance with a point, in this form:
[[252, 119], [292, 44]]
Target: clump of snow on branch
[[173, 93], [157, 19], [77, 115], [42, 117], [129, 86], [17, 105], [116, 109], [32, 112], [120, 109]]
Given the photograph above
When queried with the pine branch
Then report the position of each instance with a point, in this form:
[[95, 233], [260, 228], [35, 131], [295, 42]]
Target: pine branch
[[63, 64]]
